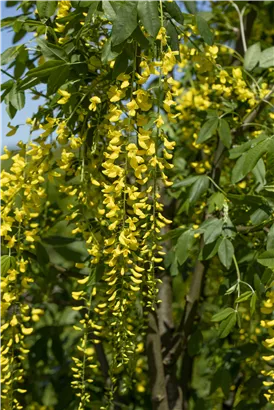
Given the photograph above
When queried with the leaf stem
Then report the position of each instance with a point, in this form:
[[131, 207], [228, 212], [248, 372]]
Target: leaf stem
[[241, 14], [238, 279], [247, 284], [216, 185]]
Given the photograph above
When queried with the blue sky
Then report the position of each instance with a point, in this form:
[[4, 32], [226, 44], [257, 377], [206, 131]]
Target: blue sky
[[30, 106]]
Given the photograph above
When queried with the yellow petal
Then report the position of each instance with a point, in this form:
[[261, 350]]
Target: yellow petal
[[83, 281]]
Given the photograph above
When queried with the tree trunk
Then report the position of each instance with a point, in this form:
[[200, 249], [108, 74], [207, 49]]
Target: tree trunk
[[155, 364]]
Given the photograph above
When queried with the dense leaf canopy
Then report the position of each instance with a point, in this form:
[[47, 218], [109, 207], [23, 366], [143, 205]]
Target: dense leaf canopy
[[137, 214]]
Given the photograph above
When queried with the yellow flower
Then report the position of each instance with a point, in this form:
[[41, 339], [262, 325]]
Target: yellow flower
[[132, 106], [268, 358], [162, 36], [5, 156], [12, 130], [242, 184], [114, 94], [114, 114], [141, 388], [237, 73], [26, 331], [169, 61], [143, 100], [14, 321], [94, 102], [77, 295], [83, 281], [159, 122], [65, 96], [168, 102]]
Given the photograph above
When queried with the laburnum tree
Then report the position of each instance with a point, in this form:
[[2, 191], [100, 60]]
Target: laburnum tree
[[137, 214]]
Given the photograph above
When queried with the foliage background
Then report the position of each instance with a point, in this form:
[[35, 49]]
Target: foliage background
[[225, 372]]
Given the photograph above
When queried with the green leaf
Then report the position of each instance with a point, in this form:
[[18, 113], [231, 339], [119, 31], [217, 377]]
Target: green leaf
[[46, 69], [51, 51], [237, 171], [184, 244], [41, 253], [10, 110], [92, 8], [267, 277], [149, 16], [58, 240], [7, 85], [207, 15], [224, 132], [195, 342], [16, 98], [8, 21], [56, 79], [267, 58], [226, 252], [227, 325], [212, 230], [216, 201], [209, 250], [259, 172], [252, 56], [5, 264], [186, 182], [109, 10], [198, 188], [269, 188], [254, 201], [253, 301], [174, 11], [222, 378], [171, 260], [173, 37], [239, 319], [49, 396], [27, 83], [258, 285], [10, 54], [125, 21], [20, 63], [121, 64], [232, 289], [258, 216], [267, 258], [238, 151], [204, 30], [107, 53], [252, 157], [244, 296], [208, 130], [191, 6], [174, 271], [46, 8], [141, 39], [218, 317], [83, 3], [4, 94], [270, 238]]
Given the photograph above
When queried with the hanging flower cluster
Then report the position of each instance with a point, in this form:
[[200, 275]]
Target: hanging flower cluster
[[116, 183], [23, 199], [63, 10], [267, 309]]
